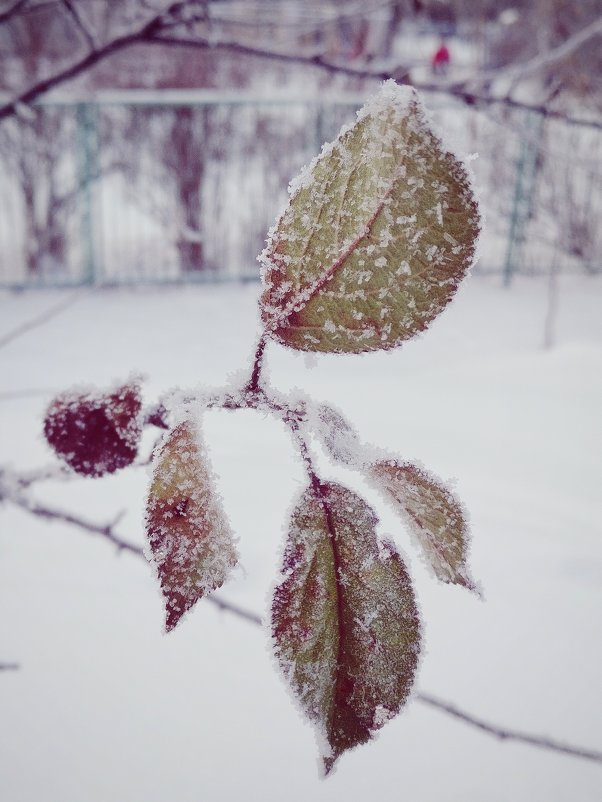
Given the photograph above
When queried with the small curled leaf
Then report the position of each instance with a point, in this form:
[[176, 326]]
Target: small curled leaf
[[378, 233], [95, 434], [190, 539], [344, 620], [435, 518]]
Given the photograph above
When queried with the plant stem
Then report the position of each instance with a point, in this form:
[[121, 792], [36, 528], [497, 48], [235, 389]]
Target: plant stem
[[253, 384]]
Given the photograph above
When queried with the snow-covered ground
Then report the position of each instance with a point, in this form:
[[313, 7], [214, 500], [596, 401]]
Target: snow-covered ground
[[105, 707]]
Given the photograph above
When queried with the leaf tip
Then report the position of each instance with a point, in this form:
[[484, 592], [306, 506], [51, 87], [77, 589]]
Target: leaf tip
[[328, 765]]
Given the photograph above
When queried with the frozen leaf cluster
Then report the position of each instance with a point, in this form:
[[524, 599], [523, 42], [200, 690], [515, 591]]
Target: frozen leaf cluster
[[379, 231]]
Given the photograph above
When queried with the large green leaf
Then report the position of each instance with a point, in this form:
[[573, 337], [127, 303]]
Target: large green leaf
[[189, 536], [344, 619], [378, 233]]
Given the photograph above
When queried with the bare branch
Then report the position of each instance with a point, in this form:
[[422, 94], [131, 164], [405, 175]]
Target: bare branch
[[9, 666], [93, 57], [40, 319], [80, 23], [107, 531], [52, 514], [509, 735], [153, 32], [568, 47], [12, 11], [400, 74], [314, 59]]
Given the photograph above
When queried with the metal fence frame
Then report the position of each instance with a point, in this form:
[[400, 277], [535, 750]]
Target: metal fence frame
[[91, 227]]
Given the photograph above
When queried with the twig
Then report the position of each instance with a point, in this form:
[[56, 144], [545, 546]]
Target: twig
[[517, 72], [508, 735], [80, 24], [12, 11], [92, 57], [107, 531], [40, 319], [52, 514], [153, 33], [460, 91], [9, 666]]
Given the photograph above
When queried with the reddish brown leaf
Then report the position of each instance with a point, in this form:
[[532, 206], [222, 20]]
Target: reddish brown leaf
[[190, 539], [344, 620], [95, 434]]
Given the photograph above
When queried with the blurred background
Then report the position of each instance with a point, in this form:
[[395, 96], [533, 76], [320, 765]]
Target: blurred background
[[168, 157]]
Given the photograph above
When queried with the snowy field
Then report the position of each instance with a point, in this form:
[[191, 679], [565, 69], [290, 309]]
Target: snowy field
[[106, 708]]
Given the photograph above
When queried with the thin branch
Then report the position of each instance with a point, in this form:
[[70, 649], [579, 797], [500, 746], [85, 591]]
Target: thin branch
[[400, 74], [9, 666], [107, 531], [52, 514], [508, 735], [35, 322], [82, 26], [152, 33], [12, 11], [519, 71], [93, 57], [315, 59]]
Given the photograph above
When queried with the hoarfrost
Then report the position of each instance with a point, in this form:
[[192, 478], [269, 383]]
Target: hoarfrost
[[345, 625], [370, 198], [190, 540]]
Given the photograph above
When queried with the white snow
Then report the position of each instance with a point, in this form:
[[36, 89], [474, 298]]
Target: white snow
[[105, 707]]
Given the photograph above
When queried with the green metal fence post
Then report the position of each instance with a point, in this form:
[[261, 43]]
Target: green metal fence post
[[524, 187], [87, 168]]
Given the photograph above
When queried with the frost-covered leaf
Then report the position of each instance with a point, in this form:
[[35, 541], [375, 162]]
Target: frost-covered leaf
[[336, 434], [95, 433], [189, 535], [344, 620], [378, 233], [434, 516]]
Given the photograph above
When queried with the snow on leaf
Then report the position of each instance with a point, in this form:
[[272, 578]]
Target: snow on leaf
[[344, 620], [434, 516], [378, 234], [336, 434], [95, 433], [190, 539]]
